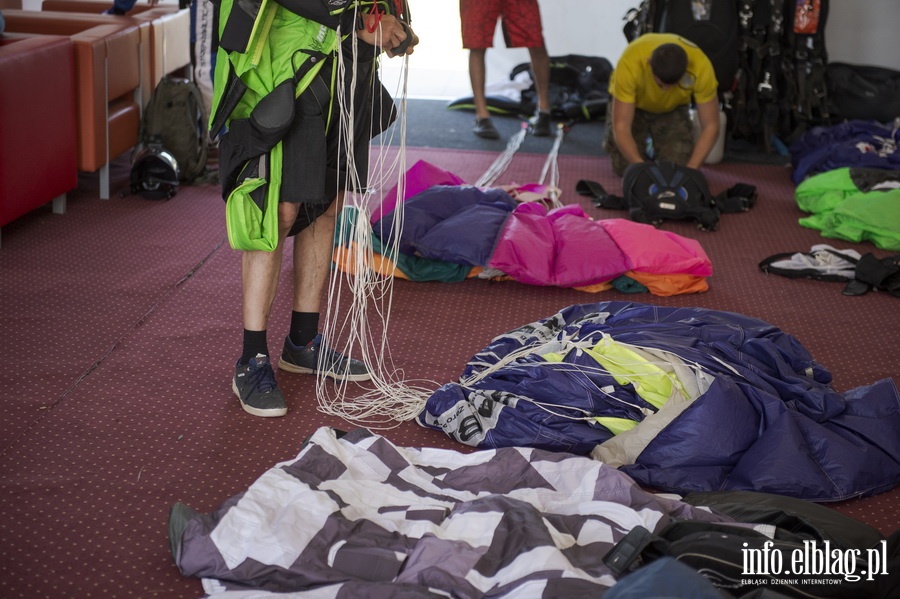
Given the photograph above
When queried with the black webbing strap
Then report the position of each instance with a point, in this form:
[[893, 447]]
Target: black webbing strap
[[598, 195], [627, 550], [740, 197], [234, 91]]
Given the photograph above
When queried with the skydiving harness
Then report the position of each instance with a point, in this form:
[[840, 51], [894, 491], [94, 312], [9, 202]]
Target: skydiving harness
[[807, 40], [758, 98], [780, 87], [265, 70]]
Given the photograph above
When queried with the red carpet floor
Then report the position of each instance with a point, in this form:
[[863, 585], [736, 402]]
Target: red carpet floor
[[121, 323]]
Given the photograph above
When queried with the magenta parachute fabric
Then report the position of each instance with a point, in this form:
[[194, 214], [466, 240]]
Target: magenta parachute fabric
[[419, 177], [562, 247], [566, 248], [529, 242]]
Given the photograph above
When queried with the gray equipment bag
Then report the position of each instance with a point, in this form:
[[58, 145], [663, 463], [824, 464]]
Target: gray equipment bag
[[174, 117]]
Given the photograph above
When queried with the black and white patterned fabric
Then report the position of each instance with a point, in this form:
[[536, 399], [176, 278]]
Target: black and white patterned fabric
[[356, 516]]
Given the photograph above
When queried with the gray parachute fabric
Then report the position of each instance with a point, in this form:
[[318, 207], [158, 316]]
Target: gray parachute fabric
[[356, 516]]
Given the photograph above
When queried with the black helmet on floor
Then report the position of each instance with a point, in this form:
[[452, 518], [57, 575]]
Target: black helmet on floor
[[154, 172]]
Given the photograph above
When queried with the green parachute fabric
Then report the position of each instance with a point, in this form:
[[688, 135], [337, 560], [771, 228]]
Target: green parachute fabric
[[839, 209], [251, 211]]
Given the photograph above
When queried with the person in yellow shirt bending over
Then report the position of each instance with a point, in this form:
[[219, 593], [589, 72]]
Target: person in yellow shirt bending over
[[652, 87]]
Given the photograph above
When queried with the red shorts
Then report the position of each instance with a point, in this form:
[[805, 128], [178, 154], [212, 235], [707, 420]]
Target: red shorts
[[521, 23]]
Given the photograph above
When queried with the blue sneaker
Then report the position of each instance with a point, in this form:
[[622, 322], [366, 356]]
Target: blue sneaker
[[316, 357], [254, 384]]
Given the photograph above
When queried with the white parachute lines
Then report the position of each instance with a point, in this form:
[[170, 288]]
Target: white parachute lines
[[357, 317], [500, 164], [551, 168]]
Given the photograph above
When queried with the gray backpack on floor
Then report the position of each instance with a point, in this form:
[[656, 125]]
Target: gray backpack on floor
[[174, 118]]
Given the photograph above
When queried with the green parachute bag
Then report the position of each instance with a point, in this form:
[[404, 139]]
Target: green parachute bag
[[251, 210]]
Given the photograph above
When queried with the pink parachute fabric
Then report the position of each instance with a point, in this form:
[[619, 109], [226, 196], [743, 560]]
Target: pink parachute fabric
[[562, 247], [566, 248]]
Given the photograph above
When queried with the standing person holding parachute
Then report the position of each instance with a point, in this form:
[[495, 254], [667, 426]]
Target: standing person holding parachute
[[285, 72]]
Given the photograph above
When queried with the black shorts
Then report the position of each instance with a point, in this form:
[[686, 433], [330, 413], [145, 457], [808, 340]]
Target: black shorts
[[316, 167]]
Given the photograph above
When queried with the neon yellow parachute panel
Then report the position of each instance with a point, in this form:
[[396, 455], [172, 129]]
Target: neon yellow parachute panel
[[651, 382]]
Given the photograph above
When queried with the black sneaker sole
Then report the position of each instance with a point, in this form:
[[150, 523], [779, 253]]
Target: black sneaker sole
[[488, 134], [338, 376], [269, 413]]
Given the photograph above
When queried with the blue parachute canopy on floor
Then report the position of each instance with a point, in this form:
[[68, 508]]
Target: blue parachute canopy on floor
[[681, 399]]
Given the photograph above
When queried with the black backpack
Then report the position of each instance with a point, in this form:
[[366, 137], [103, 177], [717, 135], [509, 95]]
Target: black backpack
[[578, 87], [863, 92], [174, 117], [657, 191]]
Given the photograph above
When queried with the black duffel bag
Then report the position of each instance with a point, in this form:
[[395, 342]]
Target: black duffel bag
[[863, 92]]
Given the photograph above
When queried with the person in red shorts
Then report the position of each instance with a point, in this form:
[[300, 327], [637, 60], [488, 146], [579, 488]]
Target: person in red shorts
[[522, 28]]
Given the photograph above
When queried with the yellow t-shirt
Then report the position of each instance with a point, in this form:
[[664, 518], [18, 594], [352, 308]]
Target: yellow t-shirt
[[632, 80]]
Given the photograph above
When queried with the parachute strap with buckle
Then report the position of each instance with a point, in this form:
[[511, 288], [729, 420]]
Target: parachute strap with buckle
[[740, 197], [235, 88]]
